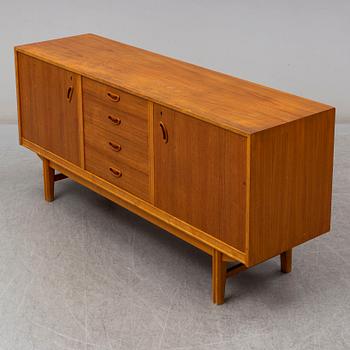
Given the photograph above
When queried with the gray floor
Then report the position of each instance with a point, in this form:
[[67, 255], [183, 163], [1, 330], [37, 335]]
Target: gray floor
[[83, 273]]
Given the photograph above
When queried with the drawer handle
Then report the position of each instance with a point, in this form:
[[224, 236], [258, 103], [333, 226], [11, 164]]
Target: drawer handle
[[113, 97], [164, 132], [115, 146], [114, 120], [70, 93], [115, 172]]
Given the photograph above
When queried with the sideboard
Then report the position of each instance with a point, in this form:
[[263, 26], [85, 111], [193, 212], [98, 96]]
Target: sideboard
[[239, 170]]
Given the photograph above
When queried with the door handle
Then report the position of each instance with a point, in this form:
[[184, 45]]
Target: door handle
[[164, 132], [70, 93]]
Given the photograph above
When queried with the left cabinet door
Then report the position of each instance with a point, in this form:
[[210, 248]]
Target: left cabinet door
[[50, 105]]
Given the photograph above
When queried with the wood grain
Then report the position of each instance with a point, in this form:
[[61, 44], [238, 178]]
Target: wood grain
[[291, 185], [47, 118], [200, 175], [218, 98]]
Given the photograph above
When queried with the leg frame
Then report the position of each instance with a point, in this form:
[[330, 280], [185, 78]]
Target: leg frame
[[220, 272], [49, 180]]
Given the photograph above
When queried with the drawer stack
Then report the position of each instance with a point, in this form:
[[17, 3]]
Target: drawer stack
[[116, 137]]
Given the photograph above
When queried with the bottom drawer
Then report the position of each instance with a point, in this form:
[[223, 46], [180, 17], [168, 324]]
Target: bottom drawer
[[121, 174]]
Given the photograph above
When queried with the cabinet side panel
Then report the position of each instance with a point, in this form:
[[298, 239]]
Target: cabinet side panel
[[49, 118], [291, 185], [18, 98], [200, 175]]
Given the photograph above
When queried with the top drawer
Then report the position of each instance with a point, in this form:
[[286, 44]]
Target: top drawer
[[114, 99]]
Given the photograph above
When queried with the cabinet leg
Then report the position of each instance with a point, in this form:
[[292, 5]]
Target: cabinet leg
[[218, 277], [286, 261], [49, 180]]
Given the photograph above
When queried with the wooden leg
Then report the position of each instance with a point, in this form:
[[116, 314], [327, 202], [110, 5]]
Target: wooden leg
[[218, 277], [49, 176], [286, 261]]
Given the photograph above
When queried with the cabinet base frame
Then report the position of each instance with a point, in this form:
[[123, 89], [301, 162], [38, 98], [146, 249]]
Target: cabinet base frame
[[50, 178], [220, 272], [220, 258]]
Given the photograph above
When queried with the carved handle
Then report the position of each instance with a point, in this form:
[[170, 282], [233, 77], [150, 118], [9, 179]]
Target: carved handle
[[116, 147], [70, 93], [164, 132], [115, 120], [115, 172], [113, 97]]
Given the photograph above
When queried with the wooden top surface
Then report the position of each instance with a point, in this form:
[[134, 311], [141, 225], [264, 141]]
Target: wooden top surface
[[221, 99]]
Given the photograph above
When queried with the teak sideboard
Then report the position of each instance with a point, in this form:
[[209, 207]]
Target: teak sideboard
[[239, 170]]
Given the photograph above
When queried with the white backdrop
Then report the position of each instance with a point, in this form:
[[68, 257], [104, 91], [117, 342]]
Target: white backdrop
[[299, 46]]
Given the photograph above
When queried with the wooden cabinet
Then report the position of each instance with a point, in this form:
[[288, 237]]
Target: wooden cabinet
[[50, 106], [240, 171]]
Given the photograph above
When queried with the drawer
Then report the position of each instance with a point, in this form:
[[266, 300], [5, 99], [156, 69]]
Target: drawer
[[128, 126], [114, 100], [104, 164], [116, 148]]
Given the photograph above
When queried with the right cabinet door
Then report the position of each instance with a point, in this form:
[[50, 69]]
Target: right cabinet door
[[200, 175]]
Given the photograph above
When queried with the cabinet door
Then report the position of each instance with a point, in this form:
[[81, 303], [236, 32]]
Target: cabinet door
[[200, 175], [49, 107]]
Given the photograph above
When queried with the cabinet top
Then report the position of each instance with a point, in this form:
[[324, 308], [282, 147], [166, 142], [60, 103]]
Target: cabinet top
[[218, 98]]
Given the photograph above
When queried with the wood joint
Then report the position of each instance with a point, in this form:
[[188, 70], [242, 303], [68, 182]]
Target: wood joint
[[234, 270], [59, 177]]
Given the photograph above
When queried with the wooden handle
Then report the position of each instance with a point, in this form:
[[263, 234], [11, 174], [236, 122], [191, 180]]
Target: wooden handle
[[116, 147], [115, 172], [113, 97], [114, 120], [164, 132], [70, 93]]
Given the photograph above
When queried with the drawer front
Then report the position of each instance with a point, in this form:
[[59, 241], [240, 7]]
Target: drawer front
[[117, 173], [113, 99], [128, 126], [116, 148]]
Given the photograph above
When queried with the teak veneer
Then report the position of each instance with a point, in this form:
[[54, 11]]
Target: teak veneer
[[239, 170]]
